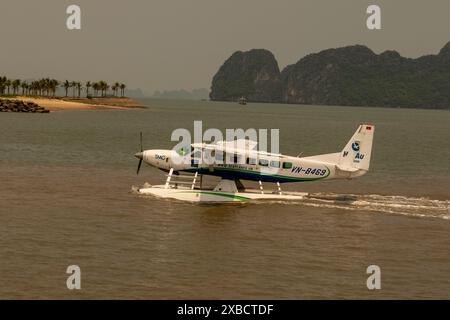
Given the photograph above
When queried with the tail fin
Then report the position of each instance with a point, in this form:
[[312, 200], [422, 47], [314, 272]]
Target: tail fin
[[357, 152]]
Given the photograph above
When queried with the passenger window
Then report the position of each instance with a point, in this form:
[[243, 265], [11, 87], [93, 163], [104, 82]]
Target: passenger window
[[229, 158], [287, 165], [219, 157], [251, 161], [275, 164], [263, 162], [236, 158]]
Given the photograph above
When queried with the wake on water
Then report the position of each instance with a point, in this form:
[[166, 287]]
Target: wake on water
[[408, 206], [401, 205]]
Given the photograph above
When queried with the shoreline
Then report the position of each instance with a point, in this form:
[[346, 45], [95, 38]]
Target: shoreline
[[66, 103]]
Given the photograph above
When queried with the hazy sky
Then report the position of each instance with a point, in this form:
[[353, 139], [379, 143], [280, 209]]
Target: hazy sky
[[173, 44]]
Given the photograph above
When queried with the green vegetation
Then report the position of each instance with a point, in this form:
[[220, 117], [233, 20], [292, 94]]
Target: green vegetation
[[43, 87], [352, 76], [47, 87]]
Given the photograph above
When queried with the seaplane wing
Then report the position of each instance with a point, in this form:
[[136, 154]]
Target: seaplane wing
[[228, 145], [239, 144]]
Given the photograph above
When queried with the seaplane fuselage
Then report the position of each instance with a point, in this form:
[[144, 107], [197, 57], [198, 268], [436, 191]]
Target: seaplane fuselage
[[239, 160]]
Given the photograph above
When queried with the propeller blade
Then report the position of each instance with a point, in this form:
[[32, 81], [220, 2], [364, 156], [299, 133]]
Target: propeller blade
[[139, 166], [140, 155]]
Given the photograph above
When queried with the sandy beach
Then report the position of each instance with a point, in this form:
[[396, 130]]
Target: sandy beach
[[59, 104]]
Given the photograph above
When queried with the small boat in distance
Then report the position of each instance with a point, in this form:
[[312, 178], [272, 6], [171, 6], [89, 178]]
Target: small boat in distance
[[242, 101]]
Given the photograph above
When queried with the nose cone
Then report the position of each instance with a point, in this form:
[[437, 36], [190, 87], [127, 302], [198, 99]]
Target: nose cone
[[139, 155]]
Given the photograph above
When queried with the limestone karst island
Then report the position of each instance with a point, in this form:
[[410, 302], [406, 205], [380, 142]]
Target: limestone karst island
[[349, 76]]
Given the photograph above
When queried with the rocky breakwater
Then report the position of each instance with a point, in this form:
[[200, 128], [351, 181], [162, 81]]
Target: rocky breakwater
[[21, 106]]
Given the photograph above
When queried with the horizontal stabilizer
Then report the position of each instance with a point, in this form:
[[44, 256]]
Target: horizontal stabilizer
[[331, 158], [347, 169]]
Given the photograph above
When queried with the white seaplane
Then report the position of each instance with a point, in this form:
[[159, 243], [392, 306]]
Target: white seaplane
[[238, 160]]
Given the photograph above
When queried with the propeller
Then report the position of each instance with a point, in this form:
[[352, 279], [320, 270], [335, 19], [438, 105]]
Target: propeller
[[139, 155]]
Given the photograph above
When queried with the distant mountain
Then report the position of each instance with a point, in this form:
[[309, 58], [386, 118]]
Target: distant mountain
[[353, 76], [253, 74], [196, 94], [134, 93]]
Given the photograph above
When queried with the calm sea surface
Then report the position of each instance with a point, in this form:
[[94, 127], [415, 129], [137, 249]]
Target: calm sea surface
[[65, 198]]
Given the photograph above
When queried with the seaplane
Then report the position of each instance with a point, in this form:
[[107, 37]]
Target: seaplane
[[237, 160]]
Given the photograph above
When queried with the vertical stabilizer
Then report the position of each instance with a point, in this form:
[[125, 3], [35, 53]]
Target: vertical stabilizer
[[357, 152]]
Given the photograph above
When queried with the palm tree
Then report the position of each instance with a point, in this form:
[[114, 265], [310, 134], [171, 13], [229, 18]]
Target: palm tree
[[103, 87], [2, 85], [79, 86], [48, 86], [24, 86], [66, 86], [53, 85], [40, 86], [15, 85], [43, 86], [36, 87], [100, 88], [96, 87], [33, 87], [88, 85], [8, 84], [122, 89], [73, 85], [116, 88]]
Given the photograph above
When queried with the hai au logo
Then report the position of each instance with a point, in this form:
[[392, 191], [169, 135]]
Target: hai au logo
[[355, 146]]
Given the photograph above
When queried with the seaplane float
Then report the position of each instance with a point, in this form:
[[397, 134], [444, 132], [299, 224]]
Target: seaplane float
[[234, 161]]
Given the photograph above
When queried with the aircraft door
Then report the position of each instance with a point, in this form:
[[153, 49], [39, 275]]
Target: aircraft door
[[196, 157]]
